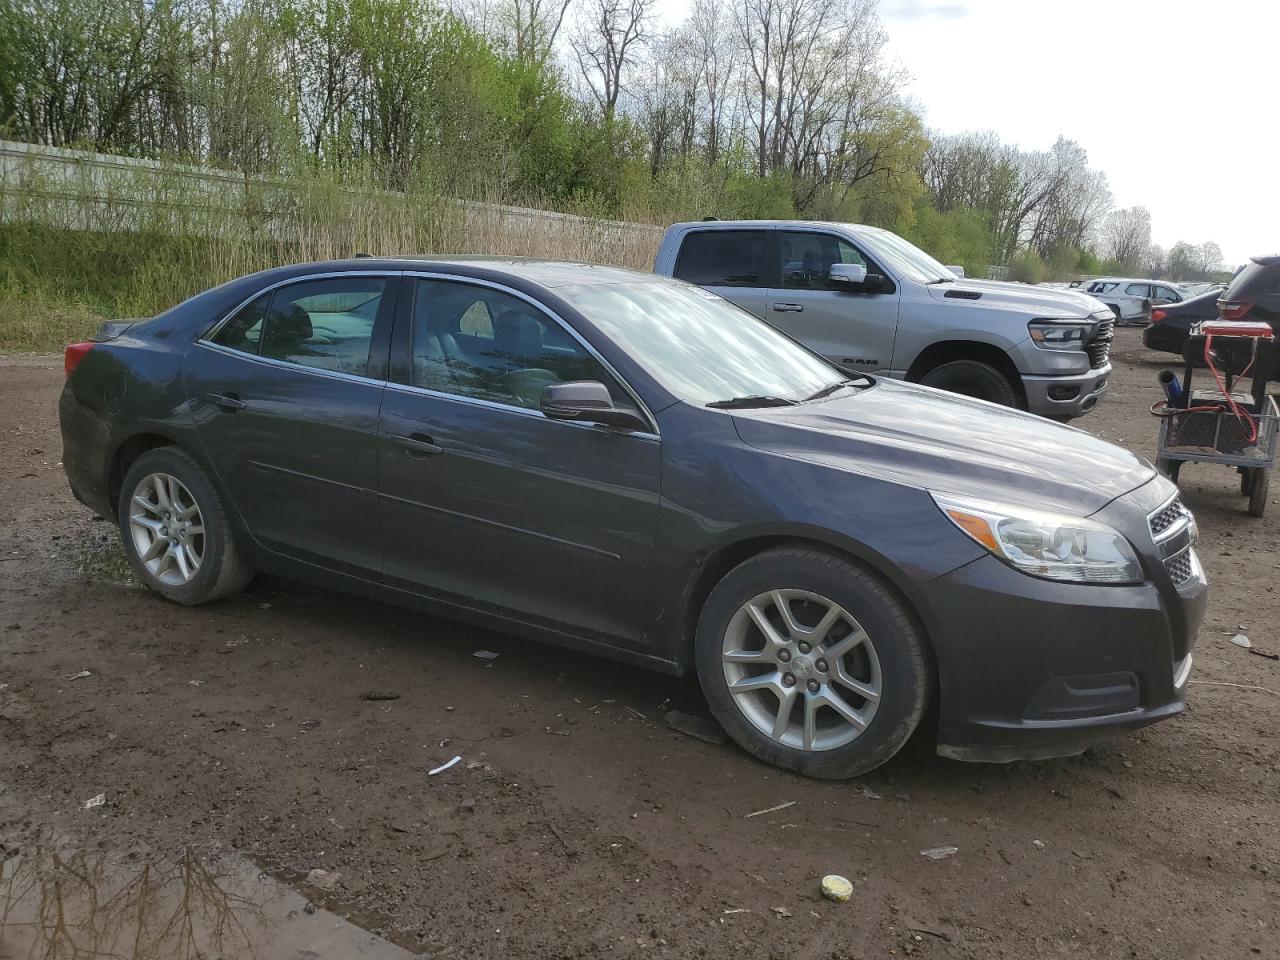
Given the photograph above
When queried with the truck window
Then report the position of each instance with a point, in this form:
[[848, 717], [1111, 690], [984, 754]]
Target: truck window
[[806, 259], [723, 258], [1138, 290]]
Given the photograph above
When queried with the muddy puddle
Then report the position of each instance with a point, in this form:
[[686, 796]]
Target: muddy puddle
[[59, 903]]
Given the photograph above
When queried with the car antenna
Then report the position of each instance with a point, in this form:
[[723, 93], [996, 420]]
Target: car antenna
[[707, 219], [363, 256]]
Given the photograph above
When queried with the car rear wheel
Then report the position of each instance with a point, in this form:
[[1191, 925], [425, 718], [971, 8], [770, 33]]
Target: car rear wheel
[[811, 664], [175, 530], [973, 378]]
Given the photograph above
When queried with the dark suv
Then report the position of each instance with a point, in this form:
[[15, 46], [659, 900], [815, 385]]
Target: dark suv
[[1254, 294]]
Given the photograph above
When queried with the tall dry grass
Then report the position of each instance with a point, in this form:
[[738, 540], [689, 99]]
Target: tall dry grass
[[90, 238]]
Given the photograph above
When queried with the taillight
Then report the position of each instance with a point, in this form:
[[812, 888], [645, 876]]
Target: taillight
[[1233, 309], [1157, 316], [75, 353]]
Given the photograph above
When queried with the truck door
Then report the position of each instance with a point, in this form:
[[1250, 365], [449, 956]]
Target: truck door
[[854, 326], [731, 263]]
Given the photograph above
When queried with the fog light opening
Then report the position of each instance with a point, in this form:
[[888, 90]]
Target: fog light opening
[[1064, 392]]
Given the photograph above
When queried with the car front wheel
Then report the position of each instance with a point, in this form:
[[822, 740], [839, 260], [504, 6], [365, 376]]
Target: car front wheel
[[810, 663], [175, 530]]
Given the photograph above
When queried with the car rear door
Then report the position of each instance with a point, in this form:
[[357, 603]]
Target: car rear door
[[487, 503], [285, 396], [735, 264], [851, 326]]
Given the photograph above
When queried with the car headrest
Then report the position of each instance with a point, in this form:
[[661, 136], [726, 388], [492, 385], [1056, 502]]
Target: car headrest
[[517, 332], [293, 325]]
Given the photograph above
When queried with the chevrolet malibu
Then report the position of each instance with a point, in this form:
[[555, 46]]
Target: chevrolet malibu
[[630, 465]]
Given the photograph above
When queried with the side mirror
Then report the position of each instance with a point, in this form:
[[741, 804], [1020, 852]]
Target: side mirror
[[587, 401], [852, 274]]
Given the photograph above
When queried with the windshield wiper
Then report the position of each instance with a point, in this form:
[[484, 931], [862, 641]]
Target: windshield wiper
[[941, 280], [736, 403], [828, 390]]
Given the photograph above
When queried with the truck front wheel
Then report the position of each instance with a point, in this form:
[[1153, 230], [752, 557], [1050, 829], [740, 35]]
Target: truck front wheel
[[973, 378]]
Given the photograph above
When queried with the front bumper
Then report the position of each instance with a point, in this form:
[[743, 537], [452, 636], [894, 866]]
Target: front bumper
[[1071, 395], [1032, 669]]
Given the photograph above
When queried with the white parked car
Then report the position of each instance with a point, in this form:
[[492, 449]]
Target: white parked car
[[1131, 299]]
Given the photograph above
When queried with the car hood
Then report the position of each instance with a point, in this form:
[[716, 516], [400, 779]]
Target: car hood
[[950, 444], [1048, 302]]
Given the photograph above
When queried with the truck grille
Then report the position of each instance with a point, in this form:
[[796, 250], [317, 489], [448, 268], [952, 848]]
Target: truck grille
[[1099, 348]]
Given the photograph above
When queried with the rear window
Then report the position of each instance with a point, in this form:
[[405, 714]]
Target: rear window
[[1254, 280], [723, 258]]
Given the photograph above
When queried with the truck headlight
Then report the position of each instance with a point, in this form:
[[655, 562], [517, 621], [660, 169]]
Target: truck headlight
[[1059, 336], [1046, 545]]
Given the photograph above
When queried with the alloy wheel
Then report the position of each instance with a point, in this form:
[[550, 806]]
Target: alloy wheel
[[167, 529], [801, 669]]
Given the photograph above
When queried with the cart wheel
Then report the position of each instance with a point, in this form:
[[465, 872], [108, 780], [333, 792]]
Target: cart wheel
[[1246, 480], [1258, 487], [1169, 468]]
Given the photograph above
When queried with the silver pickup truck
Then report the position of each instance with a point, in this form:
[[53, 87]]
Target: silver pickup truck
[[872, 302]]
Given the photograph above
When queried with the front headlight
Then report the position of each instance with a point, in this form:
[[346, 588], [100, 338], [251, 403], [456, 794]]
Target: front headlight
[[1059, 336], [1044, 544]]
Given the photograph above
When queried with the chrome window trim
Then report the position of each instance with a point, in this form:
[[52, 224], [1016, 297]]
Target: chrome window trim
[[286, 365], [544, 309], [532, 412], [212, 332]]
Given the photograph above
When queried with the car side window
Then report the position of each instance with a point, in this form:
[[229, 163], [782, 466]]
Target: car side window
[[806, 259], [723, 258], [243, 331], [1164, 293], [326, 324], [509, 357], [1138, 290]]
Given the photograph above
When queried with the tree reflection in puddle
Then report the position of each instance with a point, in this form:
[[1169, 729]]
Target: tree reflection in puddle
[[59, 904]]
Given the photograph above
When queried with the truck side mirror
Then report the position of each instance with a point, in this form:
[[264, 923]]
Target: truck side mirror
[[848, 274]]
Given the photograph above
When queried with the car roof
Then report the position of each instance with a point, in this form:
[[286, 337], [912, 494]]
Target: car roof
[[543, 272]]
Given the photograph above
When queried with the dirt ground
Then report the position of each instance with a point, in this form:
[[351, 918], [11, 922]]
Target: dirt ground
[[577, 823]]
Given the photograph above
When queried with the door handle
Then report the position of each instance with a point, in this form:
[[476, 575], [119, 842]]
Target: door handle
[[419, 445], [788, 308], [227, 401]]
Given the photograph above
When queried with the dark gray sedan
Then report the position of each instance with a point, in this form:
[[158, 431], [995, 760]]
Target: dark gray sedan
[[632, 466]]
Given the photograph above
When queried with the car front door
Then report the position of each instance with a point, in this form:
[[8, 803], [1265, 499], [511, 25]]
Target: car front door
[[285, 396], [487, 503], [731, 263], [850, 325]]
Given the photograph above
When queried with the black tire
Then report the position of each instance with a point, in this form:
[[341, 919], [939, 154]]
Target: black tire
[[1169, 468], [1258, 489], [1246, 480], [973, 378], [904, 675], [223, 567]]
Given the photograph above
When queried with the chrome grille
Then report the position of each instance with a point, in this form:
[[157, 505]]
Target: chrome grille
[[1179, 567], [1099, 347], [1173, 532], [1166, 517]]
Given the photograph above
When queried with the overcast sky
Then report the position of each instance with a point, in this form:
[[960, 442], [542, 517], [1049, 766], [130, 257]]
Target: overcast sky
[[1176, 101]]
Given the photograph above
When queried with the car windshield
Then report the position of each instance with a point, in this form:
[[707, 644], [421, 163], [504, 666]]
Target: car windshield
[[906, 258], [699, 346]]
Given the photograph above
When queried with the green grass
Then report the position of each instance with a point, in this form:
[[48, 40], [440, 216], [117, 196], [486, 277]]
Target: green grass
[[77, 250]]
